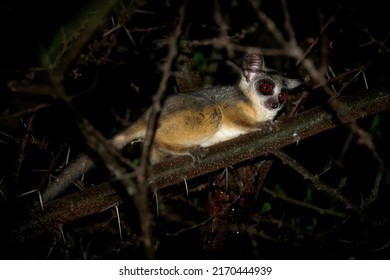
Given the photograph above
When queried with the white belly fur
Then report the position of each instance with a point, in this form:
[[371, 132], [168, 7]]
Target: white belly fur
[[223, 134]]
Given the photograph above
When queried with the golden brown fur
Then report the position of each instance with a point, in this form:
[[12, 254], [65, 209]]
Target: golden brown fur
[[201, 118]]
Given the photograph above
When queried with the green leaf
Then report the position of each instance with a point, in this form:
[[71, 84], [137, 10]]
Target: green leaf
[[343, 182], [265, 207]]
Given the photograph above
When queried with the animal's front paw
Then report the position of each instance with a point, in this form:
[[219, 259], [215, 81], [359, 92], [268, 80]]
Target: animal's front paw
[[268, 126], [197, 154]]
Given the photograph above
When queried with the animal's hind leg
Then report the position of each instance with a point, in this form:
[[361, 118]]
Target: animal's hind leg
[[180, 132]]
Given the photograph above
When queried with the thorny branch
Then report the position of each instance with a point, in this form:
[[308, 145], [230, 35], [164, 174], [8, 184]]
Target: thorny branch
[[296, 52], [332, 192], [318, 184], [91, 27], [304, 204], [226, 154], [141, 197], [216, 157], [26, 138]]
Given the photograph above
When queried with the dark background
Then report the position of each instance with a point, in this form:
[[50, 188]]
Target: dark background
[[111, 83]]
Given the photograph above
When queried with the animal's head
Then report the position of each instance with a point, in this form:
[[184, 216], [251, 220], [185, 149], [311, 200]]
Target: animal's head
[[271, 87]]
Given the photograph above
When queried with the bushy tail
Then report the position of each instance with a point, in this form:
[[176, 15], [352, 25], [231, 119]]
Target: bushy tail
[[132, 133], [85, 163], [75, 169]]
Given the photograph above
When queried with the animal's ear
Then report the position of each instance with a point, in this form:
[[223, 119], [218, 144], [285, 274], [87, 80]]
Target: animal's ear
[[292, 83], [252, 65]]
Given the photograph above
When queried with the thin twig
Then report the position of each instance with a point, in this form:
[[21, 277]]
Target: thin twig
[[318, 184], [335, 104], [22, 151], [320, 210], [141, 198]]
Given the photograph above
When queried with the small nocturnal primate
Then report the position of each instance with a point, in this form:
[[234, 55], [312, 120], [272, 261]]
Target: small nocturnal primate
[[199, 118]]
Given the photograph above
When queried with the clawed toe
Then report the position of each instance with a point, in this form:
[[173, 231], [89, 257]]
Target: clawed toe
[[197, 154]]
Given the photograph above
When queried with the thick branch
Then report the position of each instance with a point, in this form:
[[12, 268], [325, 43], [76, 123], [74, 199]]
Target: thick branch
[[175, 170], [258, 143]]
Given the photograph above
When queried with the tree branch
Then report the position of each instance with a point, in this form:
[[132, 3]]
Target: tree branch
[[258, 143], [219, 156]]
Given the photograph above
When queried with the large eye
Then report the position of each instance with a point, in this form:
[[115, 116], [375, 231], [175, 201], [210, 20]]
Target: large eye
[[282, 96], [266, 88]]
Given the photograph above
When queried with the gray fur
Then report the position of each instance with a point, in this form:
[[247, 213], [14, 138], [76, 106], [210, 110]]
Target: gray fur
[[72, 171]]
